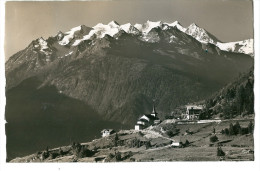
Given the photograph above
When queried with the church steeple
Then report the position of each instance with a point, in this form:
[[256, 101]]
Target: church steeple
[[154, 113]]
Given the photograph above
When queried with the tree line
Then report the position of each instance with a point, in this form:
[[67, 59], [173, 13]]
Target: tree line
[[235, 100], [237, 129]]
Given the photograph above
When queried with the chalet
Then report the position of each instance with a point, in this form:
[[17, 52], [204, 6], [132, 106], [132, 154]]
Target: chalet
[[193, 112], [147, 120], [107, 132]]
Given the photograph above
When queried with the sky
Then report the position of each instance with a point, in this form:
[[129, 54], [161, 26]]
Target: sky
[[228, 20]]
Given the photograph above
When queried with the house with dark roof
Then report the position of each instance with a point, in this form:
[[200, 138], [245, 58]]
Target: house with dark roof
[[147, 120]]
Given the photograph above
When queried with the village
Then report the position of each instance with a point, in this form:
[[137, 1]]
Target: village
[[185, 138], [191, 114], [148, 121]]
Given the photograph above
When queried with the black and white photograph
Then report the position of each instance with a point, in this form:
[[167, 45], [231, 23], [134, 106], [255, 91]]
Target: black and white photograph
[[129, 81]]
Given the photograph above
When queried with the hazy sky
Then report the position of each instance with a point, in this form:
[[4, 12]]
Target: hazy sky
[[228, 20]]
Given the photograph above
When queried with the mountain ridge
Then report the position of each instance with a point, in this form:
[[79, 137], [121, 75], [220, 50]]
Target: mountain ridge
[[83, 32], [166, 50], [193, 30]]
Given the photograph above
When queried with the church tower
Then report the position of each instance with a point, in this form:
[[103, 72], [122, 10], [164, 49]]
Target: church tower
[[154, 113]]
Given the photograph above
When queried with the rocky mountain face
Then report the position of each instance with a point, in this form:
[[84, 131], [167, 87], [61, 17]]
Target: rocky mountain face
[[115, 71], [201, 34], [113, 68]]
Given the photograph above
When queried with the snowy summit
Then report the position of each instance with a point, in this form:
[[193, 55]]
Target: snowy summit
[[112, 28]]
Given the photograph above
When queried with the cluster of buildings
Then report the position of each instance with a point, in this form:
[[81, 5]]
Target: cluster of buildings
[[192, 112], [147, 120]]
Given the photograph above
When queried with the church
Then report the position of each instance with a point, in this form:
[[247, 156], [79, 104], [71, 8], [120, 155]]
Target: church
[[147, 120]]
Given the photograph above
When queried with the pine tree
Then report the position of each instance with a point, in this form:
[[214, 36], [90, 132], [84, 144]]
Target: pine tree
[[118, 156], [227, 110], [240, 99], [231, 93], [60, 151], [187, 143], [231, 129], [147, 144], [249, 96], [116, 140], [213, 139], [220, 152], [226, 131], [47, 149], [250, 127], [237, 128]]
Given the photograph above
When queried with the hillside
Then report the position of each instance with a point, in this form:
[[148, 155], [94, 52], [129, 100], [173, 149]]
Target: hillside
[[36, 116], [153, 144], [233, 100]]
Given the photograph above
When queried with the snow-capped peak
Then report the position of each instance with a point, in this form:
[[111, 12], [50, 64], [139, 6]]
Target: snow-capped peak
[[138, 26], [149, 25], [60, 35], [128, 28], [193, 25], [112, 28], [100, 30], [199, 33], [178, 25], [245, 46], [69, 35], [113, 24], [42, 43]]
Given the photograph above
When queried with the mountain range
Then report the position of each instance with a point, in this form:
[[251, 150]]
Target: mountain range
[[111, 74]]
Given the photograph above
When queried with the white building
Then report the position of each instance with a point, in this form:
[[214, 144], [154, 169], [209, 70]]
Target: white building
[[193, 112], [147, 120], [107, 132]]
